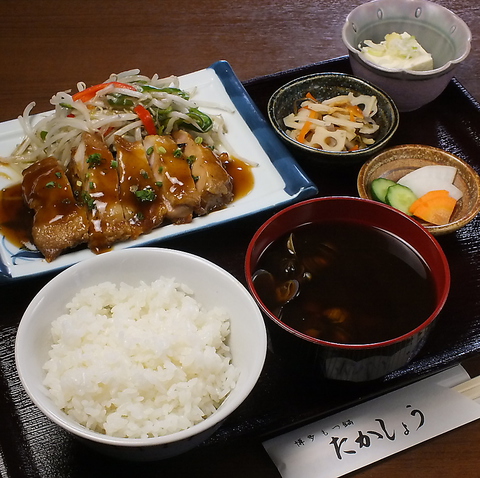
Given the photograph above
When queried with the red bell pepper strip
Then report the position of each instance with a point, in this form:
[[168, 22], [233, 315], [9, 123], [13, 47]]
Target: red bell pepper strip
[[88, 93], [147, 119]]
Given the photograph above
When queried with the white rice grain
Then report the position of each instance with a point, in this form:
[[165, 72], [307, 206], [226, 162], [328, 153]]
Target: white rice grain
[[139, 362]]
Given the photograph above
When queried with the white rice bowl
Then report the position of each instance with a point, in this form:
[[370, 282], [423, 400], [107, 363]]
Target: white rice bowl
[[165, 346], [139, 362]]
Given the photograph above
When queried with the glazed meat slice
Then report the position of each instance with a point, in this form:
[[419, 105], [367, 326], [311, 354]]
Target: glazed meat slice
[[173, 172], [213, 182], [140, 195], [93, 172], [59, 223]]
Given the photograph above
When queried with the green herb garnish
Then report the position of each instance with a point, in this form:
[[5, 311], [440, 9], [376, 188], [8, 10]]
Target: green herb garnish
[[94, 160], [147, 194], [88, 200]]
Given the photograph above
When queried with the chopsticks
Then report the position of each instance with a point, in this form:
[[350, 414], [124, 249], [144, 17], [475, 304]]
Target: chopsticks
[[470, 388]]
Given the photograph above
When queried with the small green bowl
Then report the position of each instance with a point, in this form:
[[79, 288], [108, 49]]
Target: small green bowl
[[324, 86]]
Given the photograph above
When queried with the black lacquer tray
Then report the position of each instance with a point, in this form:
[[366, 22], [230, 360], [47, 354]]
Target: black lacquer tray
[[31, 446]]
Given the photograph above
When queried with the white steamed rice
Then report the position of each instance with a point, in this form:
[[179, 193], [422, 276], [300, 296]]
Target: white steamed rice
[[139, 362]]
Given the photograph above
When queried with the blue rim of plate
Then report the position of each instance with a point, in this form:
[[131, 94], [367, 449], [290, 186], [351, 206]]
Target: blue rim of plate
[[296, 187], [275, 149]]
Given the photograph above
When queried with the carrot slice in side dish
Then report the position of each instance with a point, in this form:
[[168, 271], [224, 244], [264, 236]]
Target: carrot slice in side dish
[[355, 112], [306, 127], [435, 207]]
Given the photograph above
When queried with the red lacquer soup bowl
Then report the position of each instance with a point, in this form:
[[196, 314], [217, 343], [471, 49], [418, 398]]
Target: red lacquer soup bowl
[[350, 288]]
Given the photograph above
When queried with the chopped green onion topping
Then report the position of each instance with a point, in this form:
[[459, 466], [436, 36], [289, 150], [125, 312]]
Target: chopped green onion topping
[[88, 200], [94, 160], [146, 194]]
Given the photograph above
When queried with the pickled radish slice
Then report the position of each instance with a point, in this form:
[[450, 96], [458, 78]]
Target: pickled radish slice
[[432, 178]]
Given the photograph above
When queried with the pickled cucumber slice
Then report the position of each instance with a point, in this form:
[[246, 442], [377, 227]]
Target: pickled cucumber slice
[[379, 188], [400, 197]]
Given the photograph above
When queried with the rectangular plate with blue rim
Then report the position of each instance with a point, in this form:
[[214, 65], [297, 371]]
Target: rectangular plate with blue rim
[[278, 178]]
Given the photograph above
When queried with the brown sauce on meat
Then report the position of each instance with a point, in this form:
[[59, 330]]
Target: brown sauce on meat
[[142, 204], [100, 186], [47, 190], [15, 217], [242, 175]]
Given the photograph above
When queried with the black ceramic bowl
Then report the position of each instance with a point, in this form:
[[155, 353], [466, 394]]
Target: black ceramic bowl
[[353, 362], [324, 86]]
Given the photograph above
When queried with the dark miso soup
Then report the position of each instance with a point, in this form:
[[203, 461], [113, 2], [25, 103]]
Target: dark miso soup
[[345, 283]]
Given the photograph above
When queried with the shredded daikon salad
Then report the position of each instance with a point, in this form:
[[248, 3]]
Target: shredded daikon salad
[[342, 123], [127, 104]]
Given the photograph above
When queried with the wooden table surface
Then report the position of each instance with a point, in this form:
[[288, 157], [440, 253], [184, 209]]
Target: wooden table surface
[[49, 45]]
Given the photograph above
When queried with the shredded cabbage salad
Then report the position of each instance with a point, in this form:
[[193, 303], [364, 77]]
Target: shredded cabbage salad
[[342, 123], [127, 104]]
